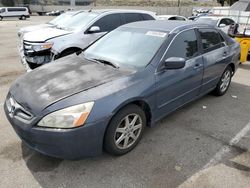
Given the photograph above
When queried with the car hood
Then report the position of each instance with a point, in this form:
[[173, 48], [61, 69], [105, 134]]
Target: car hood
[[44, 34], [34, 27], [60, 79]]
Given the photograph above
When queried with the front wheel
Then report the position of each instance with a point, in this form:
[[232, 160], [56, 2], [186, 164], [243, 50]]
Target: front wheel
[[125, 130], [224, 82], [1, 18]]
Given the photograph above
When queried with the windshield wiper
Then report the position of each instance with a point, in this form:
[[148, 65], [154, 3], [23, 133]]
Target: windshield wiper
[[107, 63]]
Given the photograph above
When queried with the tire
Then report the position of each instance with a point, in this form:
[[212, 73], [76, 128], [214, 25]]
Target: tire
[[1, 18], [118, 134], [224, 82], [23, 17]]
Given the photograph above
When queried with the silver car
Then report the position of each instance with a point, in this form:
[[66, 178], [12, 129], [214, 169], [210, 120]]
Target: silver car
[[47, 44], [219, 21]]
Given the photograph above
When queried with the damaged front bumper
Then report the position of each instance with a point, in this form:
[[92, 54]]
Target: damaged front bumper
[[32, 59]]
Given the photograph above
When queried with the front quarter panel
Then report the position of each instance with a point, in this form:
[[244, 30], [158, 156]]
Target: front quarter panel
[[114, 95], [77, 39]]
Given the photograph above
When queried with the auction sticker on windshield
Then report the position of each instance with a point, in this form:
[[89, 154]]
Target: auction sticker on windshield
[[156, 34]]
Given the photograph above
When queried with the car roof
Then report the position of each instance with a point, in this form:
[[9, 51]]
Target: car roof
[[103, 11], [168, 16], [165, 25], [214, 17], [100, 11]]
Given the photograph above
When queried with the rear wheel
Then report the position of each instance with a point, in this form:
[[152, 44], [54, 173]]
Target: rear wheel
[[125, 130], [224, 82], [1, 18]]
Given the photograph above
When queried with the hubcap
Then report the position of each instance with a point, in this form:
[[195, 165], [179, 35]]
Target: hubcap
[[225, 81], [128, 131]]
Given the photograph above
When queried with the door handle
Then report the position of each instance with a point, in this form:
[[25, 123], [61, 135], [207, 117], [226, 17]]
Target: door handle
[[198, 66]]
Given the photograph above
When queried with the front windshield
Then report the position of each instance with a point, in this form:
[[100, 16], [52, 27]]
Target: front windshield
[[61, 18], [127, 47], [76, 21], [2, 10]]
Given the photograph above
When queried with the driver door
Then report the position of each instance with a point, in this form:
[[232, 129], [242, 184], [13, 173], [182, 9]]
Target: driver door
[[106, 24], [175, 87]]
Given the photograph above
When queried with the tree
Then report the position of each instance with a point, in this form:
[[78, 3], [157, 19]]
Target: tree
[[230, 2], [222, 2], [26, 1], [8, 3]]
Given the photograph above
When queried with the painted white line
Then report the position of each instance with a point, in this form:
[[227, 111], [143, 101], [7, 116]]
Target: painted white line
[[219, 155]]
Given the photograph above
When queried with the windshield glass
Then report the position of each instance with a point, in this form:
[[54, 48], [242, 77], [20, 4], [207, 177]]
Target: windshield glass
[[61, 18], [2, 10], [127, 47], [77, 21]]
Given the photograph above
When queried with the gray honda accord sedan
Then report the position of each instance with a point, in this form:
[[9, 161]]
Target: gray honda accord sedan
[[104, 97]]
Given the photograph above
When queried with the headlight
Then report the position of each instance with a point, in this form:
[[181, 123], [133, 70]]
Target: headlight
[[41, 47], [74, 116]]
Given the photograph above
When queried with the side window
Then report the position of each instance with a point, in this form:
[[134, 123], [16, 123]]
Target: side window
[[147, 17], [210, 39], [231, 21], [132, 17], [184, 45], [172, 18], [16, 9], [180, 18], [109, 22], [226, 21]]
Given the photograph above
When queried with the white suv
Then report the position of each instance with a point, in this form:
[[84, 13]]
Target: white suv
[[47, 44]]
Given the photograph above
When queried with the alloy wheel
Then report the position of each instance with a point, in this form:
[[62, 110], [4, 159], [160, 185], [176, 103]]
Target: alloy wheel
[[128, 131], [225, 81]]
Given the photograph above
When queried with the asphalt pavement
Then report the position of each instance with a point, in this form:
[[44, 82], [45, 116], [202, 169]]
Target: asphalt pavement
[[204, 144]]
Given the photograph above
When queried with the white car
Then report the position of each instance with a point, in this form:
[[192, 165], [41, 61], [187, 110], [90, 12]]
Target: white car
[[172, 17], [222, 22], [72, 35], [20, 12]]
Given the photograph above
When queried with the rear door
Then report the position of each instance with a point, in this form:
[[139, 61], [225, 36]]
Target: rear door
[[177, 87], [215, 55]]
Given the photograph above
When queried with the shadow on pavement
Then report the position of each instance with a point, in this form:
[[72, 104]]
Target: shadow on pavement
[[169, 153]]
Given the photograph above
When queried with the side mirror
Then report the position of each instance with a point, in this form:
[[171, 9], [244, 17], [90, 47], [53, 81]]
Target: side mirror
[[222, 25], [174, 63], [94, 29]]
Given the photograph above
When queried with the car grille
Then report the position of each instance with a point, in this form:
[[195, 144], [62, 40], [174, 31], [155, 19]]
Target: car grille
[[15, 110]]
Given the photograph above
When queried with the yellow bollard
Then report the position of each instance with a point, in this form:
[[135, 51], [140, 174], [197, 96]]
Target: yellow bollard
[[244, 47]]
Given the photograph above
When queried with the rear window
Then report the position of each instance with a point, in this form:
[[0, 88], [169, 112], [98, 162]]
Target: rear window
[[147, 17], [16, 9], [210, 39]]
